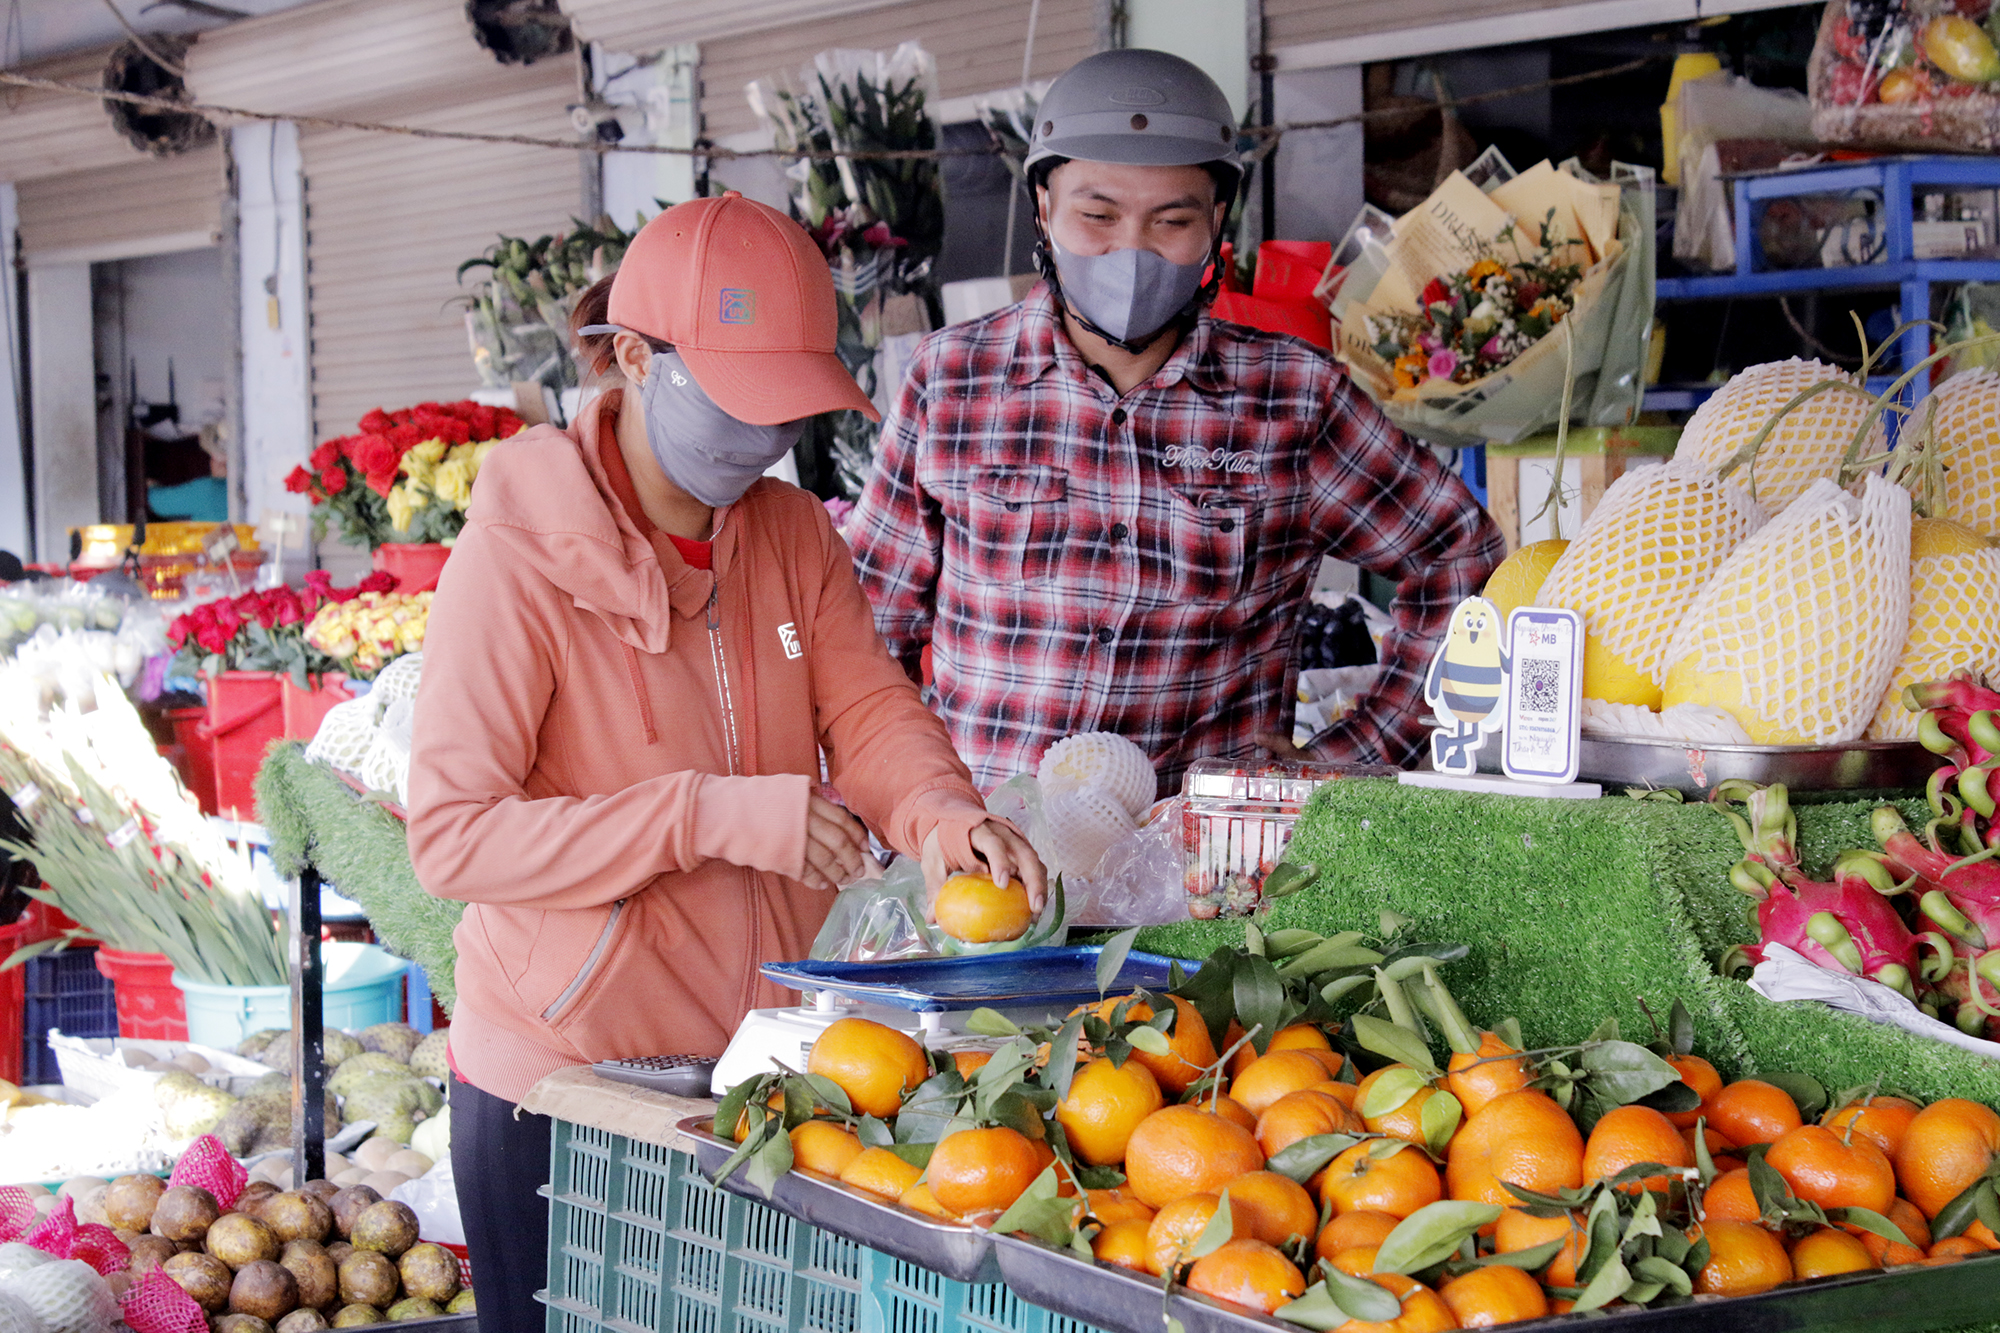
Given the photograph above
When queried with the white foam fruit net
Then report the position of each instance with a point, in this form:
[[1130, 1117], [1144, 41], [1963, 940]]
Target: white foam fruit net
[[1645, 553], [1805, 622], [1804, 447], [1100, 759], [1966, 426], [1083, 822], [1685, 722], [68, 1296], [1954, 624], [369, 737]]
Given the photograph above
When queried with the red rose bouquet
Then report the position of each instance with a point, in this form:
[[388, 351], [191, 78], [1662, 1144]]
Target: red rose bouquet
[[385, 472], [263, 630]]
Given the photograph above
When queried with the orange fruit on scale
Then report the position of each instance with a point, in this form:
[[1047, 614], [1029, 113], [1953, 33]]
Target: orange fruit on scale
[[1751, 1111], [1827, 1252], [1248, 1273], [1364, 1227], [1303, 1115], [875, 1066], [1477, 1078], [1273, 1076], [1123, 1244], [1881, 1120], [1743, 1259], [1190, 1050], [776, 1102], [1823, 1169], [1629, 1135], [1494, 1295], [1424, 1311], [1948, 1145], [1398, 1184], [1517, 1230], [880, 1172], [1522, 1138], [1700, 1075], [1106, 1102], [977, 1170], [971, 907], [1887, 1252], [1172, 1233], [1271, 1208], [822, 1146], [1181, 1150], [1729, 1198]]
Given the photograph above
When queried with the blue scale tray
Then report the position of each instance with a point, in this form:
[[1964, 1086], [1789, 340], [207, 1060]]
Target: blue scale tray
[[1053, 977]]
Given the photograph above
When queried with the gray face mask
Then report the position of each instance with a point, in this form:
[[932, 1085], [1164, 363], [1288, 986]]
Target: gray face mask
[[703, 450], [1129, 294]]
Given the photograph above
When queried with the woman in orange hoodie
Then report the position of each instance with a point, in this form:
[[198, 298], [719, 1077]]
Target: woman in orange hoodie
[[637, 657]]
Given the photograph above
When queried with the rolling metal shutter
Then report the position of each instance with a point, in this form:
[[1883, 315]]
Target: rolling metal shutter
[[148, 206], [648, 25], [977, 44], [389, 219], [42, 133]]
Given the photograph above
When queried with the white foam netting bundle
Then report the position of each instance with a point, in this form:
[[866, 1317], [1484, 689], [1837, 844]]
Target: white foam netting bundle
[[369, 737], [1095, 787], [1645, 553], [1806, 445], [67, 1296], [1811, 614], [1682, 722], [1954, 626]]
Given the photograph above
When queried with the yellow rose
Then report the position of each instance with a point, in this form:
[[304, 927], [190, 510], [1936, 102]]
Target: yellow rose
[[401, 505], [429, 452], [452, 482]]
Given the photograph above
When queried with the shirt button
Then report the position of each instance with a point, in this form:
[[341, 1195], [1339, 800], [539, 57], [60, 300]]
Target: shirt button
[[1118, 416], [1105, 635], [1118, 532], [1013, 506], [1227, 525]]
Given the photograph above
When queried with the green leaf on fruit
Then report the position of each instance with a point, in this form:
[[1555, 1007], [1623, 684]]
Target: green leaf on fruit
[[1395, 1043], [1432, 1235], [1111, 958], [1622, 1072], [1306, 1158], [984, 1022]]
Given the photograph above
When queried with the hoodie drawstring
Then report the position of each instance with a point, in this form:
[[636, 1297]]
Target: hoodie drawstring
[[639, 693]]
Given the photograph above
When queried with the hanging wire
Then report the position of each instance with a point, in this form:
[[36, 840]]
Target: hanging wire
[[1015, 187]]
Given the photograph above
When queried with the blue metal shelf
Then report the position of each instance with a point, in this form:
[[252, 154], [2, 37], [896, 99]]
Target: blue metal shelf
[[1911, 278]]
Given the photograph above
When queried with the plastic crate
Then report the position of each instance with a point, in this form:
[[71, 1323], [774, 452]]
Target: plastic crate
[[640, 1242], [63, 990]]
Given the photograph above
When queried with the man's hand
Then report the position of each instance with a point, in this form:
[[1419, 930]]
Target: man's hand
[[1000, 852], [1280, 747], [836, 845]]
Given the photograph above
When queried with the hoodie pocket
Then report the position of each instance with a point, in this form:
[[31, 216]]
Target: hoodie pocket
[[1018, 518], [593, 962]]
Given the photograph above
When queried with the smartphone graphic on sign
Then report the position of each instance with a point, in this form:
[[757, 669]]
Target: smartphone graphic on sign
[[1545, 698]]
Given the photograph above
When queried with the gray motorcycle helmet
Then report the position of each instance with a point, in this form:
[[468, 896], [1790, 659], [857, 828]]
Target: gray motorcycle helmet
[[1141, 108]]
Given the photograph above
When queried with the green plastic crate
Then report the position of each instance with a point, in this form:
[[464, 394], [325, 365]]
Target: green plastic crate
[[640, 1242]]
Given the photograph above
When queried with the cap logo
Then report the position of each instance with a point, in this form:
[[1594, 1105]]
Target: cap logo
[[1138, 96], [739, 306]]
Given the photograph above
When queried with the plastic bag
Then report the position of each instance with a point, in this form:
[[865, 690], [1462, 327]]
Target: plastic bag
[[1138, 880], [875, 920], [433, 1197]]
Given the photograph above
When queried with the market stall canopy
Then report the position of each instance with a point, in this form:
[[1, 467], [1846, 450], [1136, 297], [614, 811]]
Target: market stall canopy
[[340, 56], [647, 25], [44, 133]]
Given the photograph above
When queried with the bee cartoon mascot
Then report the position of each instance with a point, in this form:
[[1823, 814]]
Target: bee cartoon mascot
[[1467, 685]]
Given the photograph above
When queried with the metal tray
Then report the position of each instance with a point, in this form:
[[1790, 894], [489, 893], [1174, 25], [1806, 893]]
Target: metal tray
[[960, 1252], [1052, 977], [1904, 1301], [1858, 766]]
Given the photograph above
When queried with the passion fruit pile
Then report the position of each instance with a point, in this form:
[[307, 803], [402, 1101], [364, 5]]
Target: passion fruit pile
[[285, 1261]]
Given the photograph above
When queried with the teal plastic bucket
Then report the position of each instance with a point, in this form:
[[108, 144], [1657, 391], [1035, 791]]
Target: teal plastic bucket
[[363, 986]]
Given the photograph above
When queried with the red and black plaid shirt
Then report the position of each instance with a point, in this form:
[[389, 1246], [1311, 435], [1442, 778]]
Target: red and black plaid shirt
[[1081, 561]]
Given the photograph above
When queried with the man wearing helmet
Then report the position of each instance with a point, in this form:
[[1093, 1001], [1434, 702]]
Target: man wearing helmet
[[1104, 508]]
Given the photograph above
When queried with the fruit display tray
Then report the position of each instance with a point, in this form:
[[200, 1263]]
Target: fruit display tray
[[960, 1252], [1858, 766], [1054, 977], [1903, 1301]]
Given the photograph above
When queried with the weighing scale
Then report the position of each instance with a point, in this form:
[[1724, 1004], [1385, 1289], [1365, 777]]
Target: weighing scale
[[929, 998]]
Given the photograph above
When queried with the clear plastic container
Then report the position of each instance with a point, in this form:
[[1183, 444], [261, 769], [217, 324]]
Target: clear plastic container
[[1238, 821]]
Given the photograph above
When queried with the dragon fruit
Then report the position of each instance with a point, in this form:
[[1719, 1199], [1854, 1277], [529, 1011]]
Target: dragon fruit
[[1848, 926], [1959, 897]]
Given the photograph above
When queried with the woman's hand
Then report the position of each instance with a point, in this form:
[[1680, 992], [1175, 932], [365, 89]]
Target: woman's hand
[[836, 845], [1000, 852]]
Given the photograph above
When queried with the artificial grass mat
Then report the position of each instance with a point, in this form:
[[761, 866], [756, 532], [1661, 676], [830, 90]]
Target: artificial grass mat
[[362, 850]]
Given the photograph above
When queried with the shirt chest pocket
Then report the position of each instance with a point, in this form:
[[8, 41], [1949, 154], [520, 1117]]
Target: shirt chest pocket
[[1214, 533], [1017, 521]]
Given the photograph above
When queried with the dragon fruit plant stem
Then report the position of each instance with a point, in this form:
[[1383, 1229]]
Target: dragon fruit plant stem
[[1846, 926], [1959, 898]]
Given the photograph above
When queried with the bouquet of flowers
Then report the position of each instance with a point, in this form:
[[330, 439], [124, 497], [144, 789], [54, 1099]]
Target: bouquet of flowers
[[403, 476], [1474, 315], [265, 630], [366, 633], [518, 319], [1478, 320]]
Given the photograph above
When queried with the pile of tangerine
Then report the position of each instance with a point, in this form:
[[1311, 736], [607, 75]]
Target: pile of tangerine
[[1883, 1153]]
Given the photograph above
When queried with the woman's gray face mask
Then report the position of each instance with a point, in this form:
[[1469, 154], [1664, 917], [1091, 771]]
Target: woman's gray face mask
[[702, 449]]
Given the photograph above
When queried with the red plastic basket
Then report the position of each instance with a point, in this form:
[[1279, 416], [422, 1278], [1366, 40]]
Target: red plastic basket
[[245, 714], [464, 1261], [149, 1005], [13, 998]]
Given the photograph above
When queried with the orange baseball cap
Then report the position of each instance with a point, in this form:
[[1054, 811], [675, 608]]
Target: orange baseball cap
[[745, 296]]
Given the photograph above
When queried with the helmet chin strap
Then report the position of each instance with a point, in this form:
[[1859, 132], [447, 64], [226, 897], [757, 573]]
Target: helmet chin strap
[[1045, 263]]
